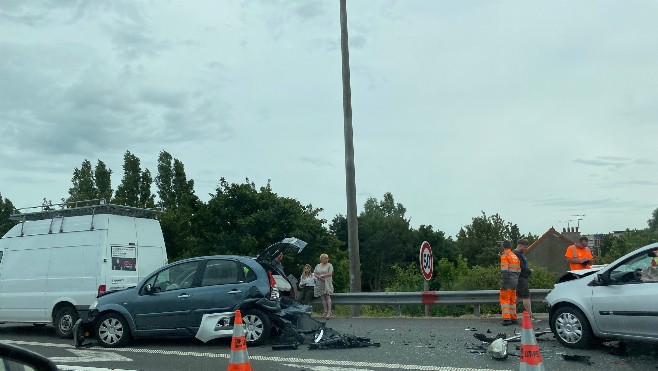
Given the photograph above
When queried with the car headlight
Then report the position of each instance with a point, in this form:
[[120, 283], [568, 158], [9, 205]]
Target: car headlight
[[93, 305]]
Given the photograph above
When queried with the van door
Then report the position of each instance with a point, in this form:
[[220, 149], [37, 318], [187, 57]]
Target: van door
[[24, 275], [122, 271]]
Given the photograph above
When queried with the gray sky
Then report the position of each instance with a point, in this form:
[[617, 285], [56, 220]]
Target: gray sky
[[536, 110]]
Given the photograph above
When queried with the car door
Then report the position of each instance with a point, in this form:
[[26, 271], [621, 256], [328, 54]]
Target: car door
[[224, 283], [629, 303], [168, 306]]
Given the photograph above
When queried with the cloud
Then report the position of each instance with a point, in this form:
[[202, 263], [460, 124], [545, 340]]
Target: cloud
[[582, 204], [316, 161]]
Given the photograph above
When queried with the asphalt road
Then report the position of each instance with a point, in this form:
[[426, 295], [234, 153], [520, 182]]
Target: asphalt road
[[406, 344]]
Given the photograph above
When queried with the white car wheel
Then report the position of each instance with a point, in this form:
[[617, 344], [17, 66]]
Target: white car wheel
[[571, 327], [257, 326]]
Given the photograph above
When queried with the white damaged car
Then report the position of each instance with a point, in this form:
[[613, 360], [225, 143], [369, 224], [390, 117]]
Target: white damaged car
[[618, 301]]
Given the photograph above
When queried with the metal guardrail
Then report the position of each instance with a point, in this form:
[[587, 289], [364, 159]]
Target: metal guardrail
[[475, 298]]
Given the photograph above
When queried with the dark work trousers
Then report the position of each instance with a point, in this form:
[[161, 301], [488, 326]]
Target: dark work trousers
[[306, 295]]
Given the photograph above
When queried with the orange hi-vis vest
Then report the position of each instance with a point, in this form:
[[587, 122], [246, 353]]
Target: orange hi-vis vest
[[510, 262], [510, 269], [574, 252]]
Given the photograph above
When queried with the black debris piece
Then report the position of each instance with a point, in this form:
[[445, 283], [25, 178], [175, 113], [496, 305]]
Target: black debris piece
[[328, 338], [576, 358], [284, 346], [486, 339]]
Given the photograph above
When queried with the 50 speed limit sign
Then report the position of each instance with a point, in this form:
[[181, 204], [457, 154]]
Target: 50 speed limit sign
[[426, 261]]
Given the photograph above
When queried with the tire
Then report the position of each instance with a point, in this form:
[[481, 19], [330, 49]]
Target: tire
[[112, 331], [571, 328], [257, 326], [65, 318]]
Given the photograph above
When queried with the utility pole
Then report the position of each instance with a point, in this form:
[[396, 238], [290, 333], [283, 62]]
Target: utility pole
[[350, 179], [580, 217]]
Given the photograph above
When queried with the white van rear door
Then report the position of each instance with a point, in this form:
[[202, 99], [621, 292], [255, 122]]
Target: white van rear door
[[122, 270]]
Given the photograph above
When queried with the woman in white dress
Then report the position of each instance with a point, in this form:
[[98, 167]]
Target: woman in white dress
[[324, 286]]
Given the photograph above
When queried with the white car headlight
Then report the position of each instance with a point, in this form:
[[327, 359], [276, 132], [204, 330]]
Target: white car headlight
[[93, 305]]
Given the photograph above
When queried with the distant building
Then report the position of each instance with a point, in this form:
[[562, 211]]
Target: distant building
[[548, 251]]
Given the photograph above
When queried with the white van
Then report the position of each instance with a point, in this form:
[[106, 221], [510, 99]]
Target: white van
[[54, 264]]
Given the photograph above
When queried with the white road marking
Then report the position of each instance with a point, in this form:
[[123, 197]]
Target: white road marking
[[325, 368], [85, 368], [82, 355], [305, 361]]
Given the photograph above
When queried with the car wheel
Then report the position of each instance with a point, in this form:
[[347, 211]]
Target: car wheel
[[64, 320], [571, 327], [112, 331], [257, 326]]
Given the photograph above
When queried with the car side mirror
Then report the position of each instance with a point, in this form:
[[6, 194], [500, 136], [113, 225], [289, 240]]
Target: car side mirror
[[148, 289], [602, 279], [14, 358]]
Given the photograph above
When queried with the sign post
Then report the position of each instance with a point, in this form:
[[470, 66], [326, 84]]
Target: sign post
[[426, 268]]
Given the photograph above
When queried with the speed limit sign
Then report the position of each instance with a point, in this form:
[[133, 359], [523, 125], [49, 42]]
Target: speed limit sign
[[426, 261]]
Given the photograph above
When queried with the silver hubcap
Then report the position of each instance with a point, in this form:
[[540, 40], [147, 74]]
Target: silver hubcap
[[253, 327], [569, 328], [65, 323], [110, 331]]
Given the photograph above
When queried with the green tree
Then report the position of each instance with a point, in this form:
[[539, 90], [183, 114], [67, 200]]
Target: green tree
[[176, 194], [183, 188], [653, 222], [385, 238], [132, 191], [241, 219], [164, 179], [84, 184], [442, 247], [6, 209], [480, 241], [102, 176], [628, 241], [146, 198]]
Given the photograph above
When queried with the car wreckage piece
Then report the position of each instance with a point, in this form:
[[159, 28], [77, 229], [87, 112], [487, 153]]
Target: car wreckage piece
[[296, 326], [497, 348]]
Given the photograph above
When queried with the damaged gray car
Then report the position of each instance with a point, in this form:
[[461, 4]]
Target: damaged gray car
[[195, 297]]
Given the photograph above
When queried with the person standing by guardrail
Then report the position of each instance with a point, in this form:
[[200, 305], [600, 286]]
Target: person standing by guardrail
[[510, 269], [307, 285], [523, 288], [579, 256], [324, 286]]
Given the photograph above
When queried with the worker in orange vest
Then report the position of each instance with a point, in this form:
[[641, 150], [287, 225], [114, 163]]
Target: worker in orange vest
[[510, 269], [579, 256]]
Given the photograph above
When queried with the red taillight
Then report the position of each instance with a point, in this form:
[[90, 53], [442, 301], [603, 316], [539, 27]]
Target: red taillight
[[272, 281], [101, 290], [274, 291]]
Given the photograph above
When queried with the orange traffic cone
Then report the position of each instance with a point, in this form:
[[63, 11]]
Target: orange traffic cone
[[239, 358], [530, 355]]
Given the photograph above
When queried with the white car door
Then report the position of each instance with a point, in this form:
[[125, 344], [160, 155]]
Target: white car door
[[629, 304]]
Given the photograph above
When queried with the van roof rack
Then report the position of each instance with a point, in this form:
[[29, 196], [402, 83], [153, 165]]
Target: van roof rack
[[89, 207]]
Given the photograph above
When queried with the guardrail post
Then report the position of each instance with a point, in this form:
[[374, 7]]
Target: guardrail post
[[398, 311], [476, 310]]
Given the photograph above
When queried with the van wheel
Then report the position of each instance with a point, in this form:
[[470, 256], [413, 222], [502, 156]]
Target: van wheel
[[112, 331], [64, 321], [257, 326], [571, 327]]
